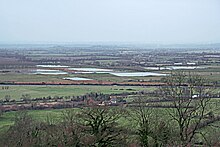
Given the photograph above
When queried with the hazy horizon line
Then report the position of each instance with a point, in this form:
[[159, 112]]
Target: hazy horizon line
[[104, 42]]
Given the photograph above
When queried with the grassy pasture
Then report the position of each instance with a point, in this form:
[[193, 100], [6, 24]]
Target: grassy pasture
[[65, 90], [30, 78], [7, 119]]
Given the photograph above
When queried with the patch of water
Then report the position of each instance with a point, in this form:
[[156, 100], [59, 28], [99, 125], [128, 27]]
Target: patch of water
[[49, 72], [90, 70], [52, 66], [175, 67], [78, 79], [137, 74]]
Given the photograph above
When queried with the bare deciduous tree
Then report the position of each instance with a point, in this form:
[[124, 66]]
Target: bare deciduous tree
[[190, 97], [101, 126]]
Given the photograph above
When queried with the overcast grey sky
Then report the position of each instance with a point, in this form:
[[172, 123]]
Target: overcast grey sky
[[145, 21]]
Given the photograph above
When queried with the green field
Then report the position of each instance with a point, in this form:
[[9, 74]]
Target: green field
[[69, 90], [7, 119], [17, 77]]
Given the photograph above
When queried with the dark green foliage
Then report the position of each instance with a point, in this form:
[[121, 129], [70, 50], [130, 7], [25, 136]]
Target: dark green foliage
[[153, 131], [144, 133]]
